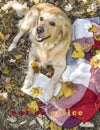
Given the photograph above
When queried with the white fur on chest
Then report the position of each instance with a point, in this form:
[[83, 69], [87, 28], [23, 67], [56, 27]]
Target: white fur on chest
[[42, 55]]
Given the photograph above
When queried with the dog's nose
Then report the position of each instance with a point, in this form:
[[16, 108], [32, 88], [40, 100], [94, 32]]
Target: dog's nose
[[40, 30]]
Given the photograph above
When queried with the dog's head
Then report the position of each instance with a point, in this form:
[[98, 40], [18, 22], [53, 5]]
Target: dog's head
[[52, 25]]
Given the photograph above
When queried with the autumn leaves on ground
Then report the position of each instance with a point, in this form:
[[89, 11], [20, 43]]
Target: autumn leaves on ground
[[17, 110]]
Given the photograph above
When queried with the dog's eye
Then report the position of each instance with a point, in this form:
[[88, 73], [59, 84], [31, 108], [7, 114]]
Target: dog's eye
[[41, 18], [52, 23]]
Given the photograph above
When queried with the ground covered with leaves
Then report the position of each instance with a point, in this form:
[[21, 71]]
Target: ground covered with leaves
[[13, 67]]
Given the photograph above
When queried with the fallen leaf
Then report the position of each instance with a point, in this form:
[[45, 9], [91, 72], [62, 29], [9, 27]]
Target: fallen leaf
[[46, 124], [97, 37], [86, 124], [18, 57], [3, 96], [36, 1], [40, 120], [74, 128], [12, 119], [79, 50], [98, 51], [36, 91], [6, 71], [33, 106], [91, 13], [85, 1], [23, 122], [68, 7], [68, 89], [93, 29], [78, 46], [78, 54], [95, 61], [12, 60], [54, 126], [1, 35], [35, 66], [33, 122], [8, 83]]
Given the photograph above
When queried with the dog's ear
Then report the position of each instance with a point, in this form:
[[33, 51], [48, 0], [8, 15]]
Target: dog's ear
[[66, 27]]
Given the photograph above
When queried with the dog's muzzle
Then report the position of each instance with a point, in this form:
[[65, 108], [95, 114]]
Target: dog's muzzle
[[40, 34]]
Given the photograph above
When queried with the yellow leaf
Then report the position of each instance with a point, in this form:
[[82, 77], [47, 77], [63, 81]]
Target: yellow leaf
[[33, 106], [95, 60], [34, 64], [97, 37], [91, 13], [97, 51], [79, 50], [74, 128], [6, 71], [1, 35], [93, 29], [54, 126], [55, 98], [85, 1], [67, 90], [36, 91], [18, 57], [78, 46], [78, 54], [36, 1]]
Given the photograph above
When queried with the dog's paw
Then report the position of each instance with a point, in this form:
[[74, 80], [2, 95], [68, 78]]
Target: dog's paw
[[11, 47]]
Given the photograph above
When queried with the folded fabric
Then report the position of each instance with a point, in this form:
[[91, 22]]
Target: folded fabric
[[80, 29], [79, 72], [80, 107], [41, 81]]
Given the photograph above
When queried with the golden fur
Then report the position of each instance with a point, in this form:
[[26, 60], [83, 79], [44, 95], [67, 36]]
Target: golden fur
[[50, 33]]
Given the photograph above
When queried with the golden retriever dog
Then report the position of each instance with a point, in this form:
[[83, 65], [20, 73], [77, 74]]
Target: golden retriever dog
[[49, 31]]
